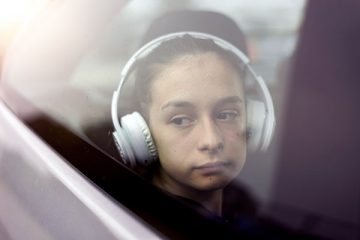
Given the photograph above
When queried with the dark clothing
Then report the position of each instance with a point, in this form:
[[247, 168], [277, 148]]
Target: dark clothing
[[239, 211]]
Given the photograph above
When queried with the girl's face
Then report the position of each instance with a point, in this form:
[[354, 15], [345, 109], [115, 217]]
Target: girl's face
[[197, 119]]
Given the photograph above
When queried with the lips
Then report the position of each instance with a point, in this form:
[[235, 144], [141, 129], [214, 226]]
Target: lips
[[211, 167]]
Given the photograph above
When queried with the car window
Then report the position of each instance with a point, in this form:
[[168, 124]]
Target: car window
[[64, 66]]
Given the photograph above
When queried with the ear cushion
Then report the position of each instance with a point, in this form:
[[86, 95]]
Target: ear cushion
[[125, 150], [256, 120], [139, 137]]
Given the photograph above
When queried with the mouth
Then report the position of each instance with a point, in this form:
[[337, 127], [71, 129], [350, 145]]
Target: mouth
[[212, 167]]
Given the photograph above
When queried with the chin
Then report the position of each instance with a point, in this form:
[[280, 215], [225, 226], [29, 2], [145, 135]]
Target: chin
[[215, 183]]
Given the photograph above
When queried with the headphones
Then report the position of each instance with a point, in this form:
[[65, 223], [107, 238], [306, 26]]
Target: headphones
[[132, 135]]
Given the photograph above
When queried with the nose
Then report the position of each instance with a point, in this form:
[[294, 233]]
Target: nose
[[211, 138]]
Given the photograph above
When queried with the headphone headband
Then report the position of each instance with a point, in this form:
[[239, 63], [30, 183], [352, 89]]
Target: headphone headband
[[152, 45]]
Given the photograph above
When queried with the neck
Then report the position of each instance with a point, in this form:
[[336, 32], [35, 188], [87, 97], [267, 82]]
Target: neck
[[210, 199]]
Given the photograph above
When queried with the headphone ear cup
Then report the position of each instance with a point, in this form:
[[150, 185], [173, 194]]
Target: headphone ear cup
[[139, 138], [256, 120], [125, 150]]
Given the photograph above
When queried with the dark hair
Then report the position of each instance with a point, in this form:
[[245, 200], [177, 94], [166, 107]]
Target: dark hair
[[214, 23], [148, 67]]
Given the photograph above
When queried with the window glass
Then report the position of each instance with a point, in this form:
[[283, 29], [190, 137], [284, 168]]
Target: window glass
[[73, 62], [271, 32]]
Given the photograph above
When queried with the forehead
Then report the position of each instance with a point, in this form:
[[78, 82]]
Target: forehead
[[195, 77]]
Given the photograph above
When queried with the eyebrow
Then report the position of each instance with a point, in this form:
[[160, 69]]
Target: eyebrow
[[180, 104], [177, 104], [230, 99]]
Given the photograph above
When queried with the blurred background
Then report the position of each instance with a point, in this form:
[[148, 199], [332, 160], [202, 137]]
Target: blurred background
[[14, 14]]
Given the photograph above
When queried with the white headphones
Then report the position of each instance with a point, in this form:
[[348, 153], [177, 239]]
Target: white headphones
[[132, 136]]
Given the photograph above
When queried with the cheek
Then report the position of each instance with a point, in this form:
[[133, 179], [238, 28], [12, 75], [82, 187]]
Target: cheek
[[237, 149], [171, 148], [174, 150], [236, 142], [173, 162], [236, 134], [240, 136]]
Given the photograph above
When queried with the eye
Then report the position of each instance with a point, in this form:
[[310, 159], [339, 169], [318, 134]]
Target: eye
[[227, 115], [181, 121]]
